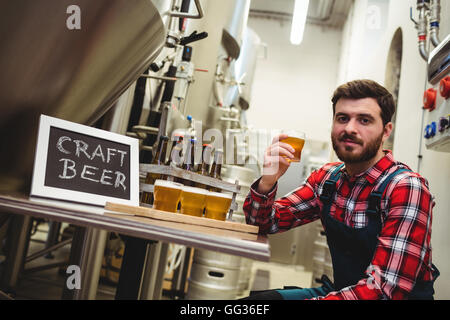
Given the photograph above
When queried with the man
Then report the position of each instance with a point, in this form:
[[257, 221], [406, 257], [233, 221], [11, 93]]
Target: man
[[376, 211]]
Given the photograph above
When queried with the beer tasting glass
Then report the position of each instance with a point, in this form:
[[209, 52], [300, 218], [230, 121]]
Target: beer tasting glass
[[217, 205], [167, 195], [296, 139], [193, 201]]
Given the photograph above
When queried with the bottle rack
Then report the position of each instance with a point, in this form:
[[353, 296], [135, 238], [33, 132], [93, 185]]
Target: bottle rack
[[173, 172]]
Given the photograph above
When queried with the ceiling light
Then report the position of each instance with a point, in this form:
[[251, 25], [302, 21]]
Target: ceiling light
[[299, 21]]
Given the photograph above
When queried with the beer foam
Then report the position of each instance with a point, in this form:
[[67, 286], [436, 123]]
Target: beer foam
[[195, 190], [220, 195], [168, 184]]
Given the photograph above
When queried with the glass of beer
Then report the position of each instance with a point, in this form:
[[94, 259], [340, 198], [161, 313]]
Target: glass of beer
[[296, 139], [167, 194], [217, 205], [193, 201]]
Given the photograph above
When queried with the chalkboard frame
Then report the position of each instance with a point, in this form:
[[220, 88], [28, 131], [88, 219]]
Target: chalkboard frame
[[38, 187]]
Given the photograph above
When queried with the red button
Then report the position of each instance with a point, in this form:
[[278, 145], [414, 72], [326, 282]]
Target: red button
[[429, 99], [444, 87]]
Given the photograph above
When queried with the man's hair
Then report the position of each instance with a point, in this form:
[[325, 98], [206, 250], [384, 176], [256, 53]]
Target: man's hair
[[359, 89]]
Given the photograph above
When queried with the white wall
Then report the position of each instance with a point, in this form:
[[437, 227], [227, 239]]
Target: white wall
[[293, 87], [359, 62]]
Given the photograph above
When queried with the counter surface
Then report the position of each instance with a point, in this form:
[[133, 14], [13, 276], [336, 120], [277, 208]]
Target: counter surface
[[235, 243]]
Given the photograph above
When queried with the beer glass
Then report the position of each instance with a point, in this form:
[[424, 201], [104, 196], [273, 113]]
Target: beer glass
[[217, 205], [193, 201], [296, 139], [167, 195]]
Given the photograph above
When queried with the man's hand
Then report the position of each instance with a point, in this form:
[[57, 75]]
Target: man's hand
[[275, 163]]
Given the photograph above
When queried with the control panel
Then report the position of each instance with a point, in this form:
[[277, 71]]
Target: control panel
[[436, 99]]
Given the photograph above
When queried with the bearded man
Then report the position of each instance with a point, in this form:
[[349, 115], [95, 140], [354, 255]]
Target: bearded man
[[376, 212]]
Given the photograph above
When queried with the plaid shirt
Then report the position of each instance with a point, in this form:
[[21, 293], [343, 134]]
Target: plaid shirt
[[403, 252]]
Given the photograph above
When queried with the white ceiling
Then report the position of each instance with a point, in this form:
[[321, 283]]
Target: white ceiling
[[331, 13]]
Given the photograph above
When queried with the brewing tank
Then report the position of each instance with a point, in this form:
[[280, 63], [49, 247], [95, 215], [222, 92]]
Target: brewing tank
[[244, 71], [48, 66], [233, 31]]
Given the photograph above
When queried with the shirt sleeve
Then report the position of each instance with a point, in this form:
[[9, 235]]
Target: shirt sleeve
[[403, 247], [298, 208]]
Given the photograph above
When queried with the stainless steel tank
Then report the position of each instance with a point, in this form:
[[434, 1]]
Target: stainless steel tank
[[244, 70], [221, 17], [234, 29], [73, 74]]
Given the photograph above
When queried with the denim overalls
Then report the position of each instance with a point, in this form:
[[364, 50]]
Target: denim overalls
[[352, 249]]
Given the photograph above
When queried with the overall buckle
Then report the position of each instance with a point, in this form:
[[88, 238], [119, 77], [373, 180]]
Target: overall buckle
[[328, 190], [374, 202]]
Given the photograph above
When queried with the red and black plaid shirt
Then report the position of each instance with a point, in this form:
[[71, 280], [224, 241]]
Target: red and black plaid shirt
[[403, 252]]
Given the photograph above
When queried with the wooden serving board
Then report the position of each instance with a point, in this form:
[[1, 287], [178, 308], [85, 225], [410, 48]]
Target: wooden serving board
[[189, 227], [180, 218]]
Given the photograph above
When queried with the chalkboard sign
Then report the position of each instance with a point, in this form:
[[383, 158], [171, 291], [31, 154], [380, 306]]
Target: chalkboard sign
[[83, 164]]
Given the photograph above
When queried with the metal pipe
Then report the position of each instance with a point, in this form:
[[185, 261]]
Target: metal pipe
[[52, 236], [87, 250], [199, 15], [162, 130], [422, 29], [49, 249], [46, 267], [17, 246], [435, 9], [178, 285], [159, 77], [153, 273], [422, 50], [219, 79], [145, 129]]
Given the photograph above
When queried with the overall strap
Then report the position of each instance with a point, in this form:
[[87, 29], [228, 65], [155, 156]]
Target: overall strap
[[376, 195], [329, 189]]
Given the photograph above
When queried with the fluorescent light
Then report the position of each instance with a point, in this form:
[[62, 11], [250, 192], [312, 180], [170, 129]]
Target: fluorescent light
[[299, 21]]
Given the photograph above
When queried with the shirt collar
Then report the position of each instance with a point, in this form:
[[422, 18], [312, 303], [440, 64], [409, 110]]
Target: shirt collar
[[373, 173]]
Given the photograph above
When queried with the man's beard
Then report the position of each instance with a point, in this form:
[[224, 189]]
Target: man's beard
[[367, 153]]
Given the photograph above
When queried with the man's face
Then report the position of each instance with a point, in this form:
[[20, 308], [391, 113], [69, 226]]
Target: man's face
[[358, 131]]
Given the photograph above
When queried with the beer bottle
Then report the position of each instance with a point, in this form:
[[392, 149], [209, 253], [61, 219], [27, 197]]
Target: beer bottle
[[189, 164], [205, 164], [216, 168], [176, 154], [177, 147], [159, 158]]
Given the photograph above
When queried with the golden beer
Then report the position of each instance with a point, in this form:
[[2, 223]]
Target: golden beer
[[193, 201], [167, 194], [217, 205], [297, 144]]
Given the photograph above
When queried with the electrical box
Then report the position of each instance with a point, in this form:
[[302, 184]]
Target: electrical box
[[437, 99]]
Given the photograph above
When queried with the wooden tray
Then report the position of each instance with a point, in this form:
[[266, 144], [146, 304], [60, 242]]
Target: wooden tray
[[180, 218]]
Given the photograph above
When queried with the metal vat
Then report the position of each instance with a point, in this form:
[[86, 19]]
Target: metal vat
[[244, 70], [76, 75], [232, 32]]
